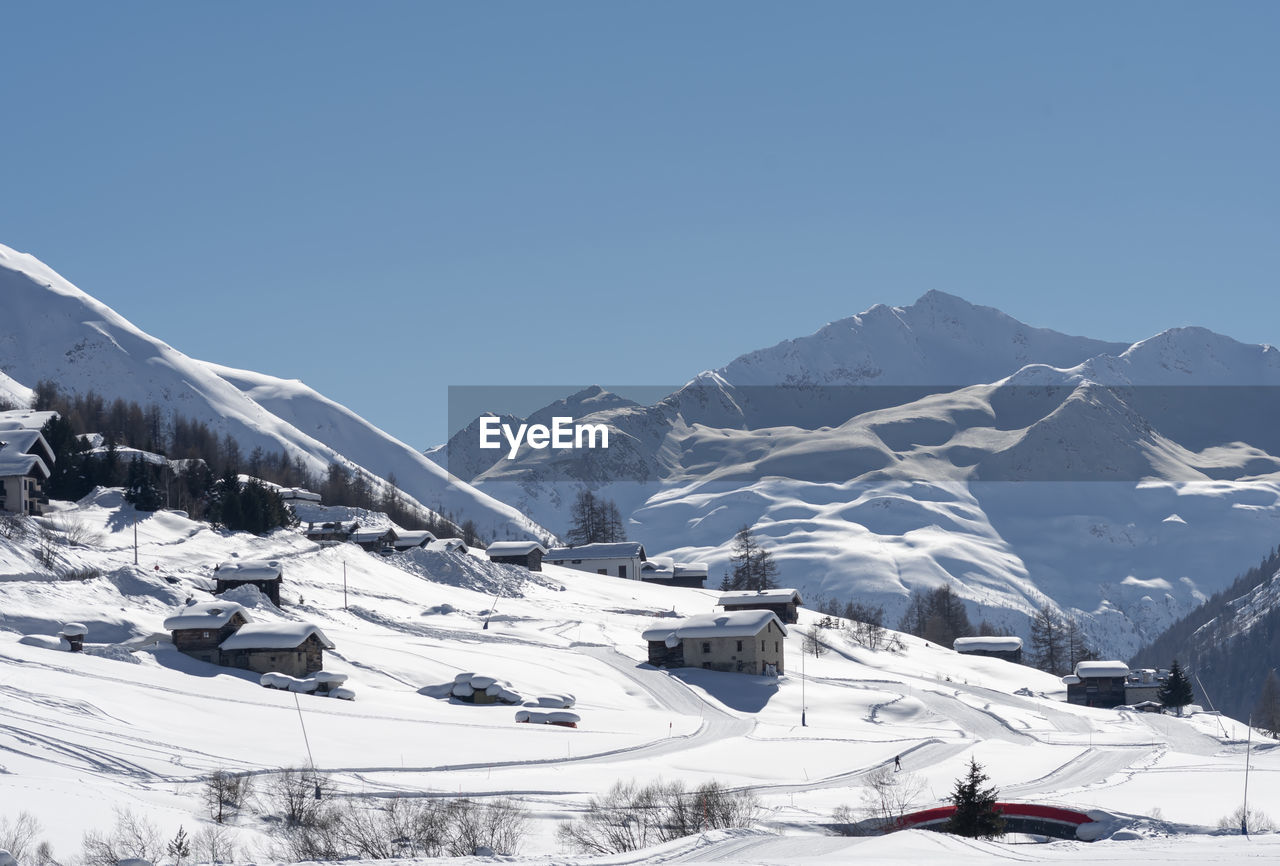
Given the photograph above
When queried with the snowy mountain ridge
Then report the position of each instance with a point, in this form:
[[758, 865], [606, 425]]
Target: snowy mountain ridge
[[54, 331]]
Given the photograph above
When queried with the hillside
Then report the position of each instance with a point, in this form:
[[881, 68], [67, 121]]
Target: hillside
[[53, 331], [131, 724]]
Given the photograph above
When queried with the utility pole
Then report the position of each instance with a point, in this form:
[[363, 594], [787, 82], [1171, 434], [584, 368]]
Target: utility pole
[[803, 706], [135, 539], [344, 584], [1244, 811]]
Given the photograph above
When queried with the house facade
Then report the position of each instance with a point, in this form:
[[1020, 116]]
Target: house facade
[[783, 602], [749, 641], [292, 648], [613, 559]]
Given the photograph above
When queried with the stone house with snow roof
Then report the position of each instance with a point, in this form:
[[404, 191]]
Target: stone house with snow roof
[[783, 602], [292, 648], [745, 641]]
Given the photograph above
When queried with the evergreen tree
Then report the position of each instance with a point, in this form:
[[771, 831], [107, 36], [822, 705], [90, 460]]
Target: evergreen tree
[[1077, 648], [1048, 642], [140, 488], [975, 815], [1176, 691]]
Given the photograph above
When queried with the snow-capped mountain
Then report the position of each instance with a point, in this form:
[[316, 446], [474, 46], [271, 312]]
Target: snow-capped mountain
[[946, 442], [52, 330]]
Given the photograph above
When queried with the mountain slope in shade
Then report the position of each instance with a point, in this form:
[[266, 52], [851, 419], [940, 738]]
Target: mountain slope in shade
[[53, 330]]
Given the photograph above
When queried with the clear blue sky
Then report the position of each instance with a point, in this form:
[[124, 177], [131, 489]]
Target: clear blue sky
[[384, 199]]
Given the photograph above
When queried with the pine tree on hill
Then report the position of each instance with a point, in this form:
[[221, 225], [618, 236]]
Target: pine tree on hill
[[1176, 691], [594, 520], [1049, 650], [975, 815]]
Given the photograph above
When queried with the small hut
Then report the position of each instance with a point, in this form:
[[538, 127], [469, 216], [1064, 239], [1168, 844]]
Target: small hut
[[526, 553], [73, 633], [266, 575], [201, 627]]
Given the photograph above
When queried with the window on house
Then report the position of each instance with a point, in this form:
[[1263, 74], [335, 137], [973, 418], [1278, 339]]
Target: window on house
[[739, 646], [204, 634], [622, 571], [707, 665], [603, 571], [761, 646], [775, 646], [706, 646]]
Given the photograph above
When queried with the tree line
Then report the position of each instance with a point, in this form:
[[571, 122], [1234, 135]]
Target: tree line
[[200, 471]]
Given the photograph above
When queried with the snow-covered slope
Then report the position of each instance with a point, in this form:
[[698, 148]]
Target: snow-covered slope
[[131, 724], [53, 330], [947, 443]]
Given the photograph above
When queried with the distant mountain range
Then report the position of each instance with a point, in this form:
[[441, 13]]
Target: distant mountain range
[[898, 449], [945, 442]]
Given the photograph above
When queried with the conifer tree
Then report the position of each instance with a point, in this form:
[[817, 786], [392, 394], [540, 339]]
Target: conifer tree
[[975, 815], [1266, 713], [1176, 691]]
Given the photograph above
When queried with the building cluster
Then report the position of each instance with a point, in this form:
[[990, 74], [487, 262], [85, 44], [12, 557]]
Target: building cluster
[[223, 633], [625, 559], [381, 539], [1108, 684]]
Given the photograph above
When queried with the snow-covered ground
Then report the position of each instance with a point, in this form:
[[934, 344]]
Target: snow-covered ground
[[139, 726]]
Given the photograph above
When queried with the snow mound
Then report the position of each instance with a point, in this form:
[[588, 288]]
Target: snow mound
[[468, 572]]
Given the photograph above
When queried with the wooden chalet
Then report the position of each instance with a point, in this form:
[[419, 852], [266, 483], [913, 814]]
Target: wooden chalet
[[201, 627], [1098, 684], [744, 641]]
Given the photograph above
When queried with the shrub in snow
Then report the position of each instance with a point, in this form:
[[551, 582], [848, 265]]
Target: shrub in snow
[[133, 841], [225, 793], [631, 816]]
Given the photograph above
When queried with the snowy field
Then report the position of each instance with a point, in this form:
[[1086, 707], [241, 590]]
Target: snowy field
[[133, 724]]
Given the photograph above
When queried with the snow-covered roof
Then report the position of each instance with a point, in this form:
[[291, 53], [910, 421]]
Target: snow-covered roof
[[417, 538], [14, 462], [601, 550], [513, 548], [987, 644], [446, 545], [274, 635], [299, 494], [24, 419], [28, 442], [74, 629], [249, 569], [205, 614], [367, 535], [1085, 670], [736, 623], [691, 569], [1070, 680], [660, 567], [764, 596]]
